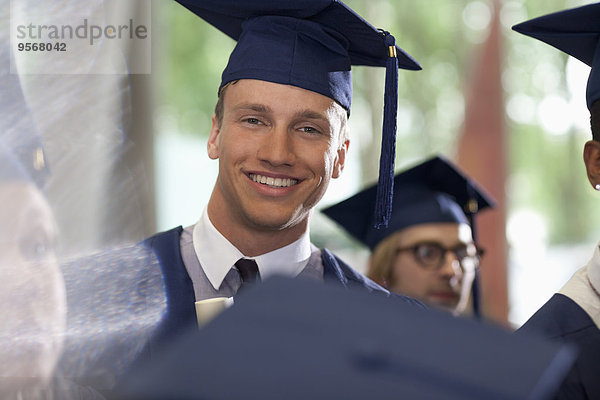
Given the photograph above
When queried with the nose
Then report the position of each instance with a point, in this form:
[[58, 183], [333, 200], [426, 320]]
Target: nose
[[277, 148], [451, 267]]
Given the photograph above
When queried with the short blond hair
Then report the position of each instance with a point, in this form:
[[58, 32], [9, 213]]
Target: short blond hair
[[382, 261]]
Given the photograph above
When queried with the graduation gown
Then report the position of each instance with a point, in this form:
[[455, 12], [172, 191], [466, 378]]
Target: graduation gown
[[181, 312], [144, 292], [563, 319]]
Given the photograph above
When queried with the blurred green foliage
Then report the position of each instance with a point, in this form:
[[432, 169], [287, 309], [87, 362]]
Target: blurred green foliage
[[545, 171]]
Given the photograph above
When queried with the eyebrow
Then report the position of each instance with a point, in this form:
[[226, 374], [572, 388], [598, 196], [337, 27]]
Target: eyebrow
[[309, 114], [253, 107]]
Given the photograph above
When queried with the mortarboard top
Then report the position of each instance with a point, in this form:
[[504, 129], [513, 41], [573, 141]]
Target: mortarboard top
[[300, 339], [311, 44], [433, 191], [575, 32]]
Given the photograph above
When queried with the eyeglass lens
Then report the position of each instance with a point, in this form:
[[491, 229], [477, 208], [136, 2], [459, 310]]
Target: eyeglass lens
[[431, 254]]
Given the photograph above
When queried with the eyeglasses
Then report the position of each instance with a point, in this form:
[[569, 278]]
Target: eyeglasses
[[431, 255]]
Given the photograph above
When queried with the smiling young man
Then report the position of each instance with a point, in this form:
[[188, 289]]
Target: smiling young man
[[279, 135], [278, 146]]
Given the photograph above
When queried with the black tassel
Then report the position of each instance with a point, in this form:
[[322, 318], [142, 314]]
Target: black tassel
[[385, 187]]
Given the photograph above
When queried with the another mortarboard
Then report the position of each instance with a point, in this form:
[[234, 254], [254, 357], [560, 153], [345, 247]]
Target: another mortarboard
[[575, 32], [433, 191], [18, 130], [300, 339], [311, 44]]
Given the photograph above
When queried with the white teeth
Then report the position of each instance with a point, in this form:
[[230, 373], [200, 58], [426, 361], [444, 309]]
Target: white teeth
[[273, 182]]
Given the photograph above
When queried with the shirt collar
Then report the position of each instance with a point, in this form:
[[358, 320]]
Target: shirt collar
[[217, 255], [594, 270]]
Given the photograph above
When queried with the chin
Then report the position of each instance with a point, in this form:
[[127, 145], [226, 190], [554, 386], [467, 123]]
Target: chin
[[276, 221], [451, 307]]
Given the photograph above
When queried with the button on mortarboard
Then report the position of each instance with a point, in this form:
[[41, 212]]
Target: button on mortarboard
[[575, 32], [18, 130], [311, 44]]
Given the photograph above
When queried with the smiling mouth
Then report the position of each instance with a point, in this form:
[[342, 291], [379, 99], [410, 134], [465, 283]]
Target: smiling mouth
[[273, 182]]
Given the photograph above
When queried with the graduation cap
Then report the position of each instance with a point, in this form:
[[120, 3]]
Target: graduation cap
[[575, 32], [22, 156], [433, 191], [300, 339], [311, 44], [18, 130]]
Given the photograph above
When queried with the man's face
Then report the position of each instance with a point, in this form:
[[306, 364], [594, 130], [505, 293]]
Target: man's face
[[278, 147], [32, 293], [446, 284]]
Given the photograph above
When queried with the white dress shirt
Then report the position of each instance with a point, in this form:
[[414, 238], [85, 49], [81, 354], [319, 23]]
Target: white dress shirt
[[217, 255]]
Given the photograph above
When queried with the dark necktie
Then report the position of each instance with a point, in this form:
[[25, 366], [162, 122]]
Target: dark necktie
[[248, 272]]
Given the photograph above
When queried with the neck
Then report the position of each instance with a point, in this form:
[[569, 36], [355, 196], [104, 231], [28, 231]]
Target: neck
[[252, 240]]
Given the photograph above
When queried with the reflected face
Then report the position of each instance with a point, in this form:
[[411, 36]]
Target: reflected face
[[32, 293], [424, 270], [278, 148]]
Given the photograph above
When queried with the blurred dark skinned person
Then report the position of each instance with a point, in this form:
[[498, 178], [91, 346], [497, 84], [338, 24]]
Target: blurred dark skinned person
[[573, 314], [428, 250]]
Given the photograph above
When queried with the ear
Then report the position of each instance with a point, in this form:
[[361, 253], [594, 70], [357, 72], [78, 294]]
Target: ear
[[591, 158], [213, 143], [340, 160]]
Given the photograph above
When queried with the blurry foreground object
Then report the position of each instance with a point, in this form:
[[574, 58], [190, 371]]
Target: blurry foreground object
[[298, 339], [573, 314], [116, 301], [33, 309], [428, 251], [32, 293]]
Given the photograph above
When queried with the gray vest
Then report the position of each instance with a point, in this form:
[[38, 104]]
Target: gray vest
[[203, 289]]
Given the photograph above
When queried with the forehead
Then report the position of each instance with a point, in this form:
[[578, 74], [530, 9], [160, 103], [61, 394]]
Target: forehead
[[448, 233], [278, 97]]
